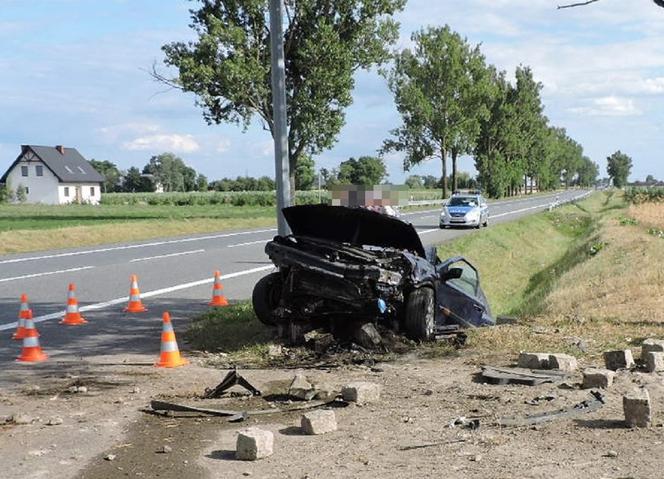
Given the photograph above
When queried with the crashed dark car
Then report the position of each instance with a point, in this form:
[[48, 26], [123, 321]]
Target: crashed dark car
[[343, 265]]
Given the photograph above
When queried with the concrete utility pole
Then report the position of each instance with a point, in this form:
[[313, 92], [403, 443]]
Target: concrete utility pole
[[279, 114]]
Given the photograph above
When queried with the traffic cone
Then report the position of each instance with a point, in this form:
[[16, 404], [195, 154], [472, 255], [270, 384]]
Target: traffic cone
[[218, 298], [31, 352], [170, 354], [72, 315], [23, 314], [135, 305]]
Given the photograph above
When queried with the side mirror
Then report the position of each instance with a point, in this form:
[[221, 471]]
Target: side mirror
[[452, 273]]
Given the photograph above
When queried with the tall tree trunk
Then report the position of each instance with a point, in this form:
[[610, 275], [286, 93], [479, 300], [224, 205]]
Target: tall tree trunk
[[455, 154], [443, 154]]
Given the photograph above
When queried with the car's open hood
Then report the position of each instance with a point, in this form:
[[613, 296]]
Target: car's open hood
[[353, 225]]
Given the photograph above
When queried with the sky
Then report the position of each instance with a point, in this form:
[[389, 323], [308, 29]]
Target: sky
[[75, 72]]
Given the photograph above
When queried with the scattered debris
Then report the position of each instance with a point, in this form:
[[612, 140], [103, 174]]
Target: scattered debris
[[232, 378], [621, 359], [493, 375], [21, 419], [54, 421], [506, 320], [300, 388], [541, 399], [275, 350], [597, 378], [589, 405], [319, 422], [611, 453], [325, 392], [432, 444], [368, 336], [253, 444], [636, 407], [654, 361], [462, 422], [651, 345], [563, 362], [165, 449], [361, 392], [110, 457], [533, 360], [77, 389]]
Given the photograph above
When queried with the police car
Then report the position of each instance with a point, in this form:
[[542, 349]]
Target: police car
[[465, 209]]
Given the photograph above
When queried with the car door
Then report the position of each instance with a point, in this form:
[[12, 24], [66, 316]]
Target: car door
[[460, 299]]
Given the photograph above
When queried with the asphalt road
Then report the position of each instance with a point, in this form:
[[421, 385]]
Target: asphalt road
[[175, 274]]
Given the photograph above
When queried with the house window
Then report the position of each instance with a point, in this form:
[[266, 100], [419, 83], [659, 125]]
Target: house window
[[69, 170], [81, 170], [67, 191], [24, 171], [92, 191], [27, 190], [39, 170]]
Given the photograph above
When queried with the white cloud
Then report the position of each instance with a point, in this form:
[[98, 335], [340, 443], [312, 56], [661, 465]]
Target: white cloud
[[223, 145], [173, 142], [609, 106], [115, 132]]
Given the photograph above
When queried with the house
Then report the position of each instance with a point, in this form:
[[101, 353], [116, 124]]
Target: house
[[54, 175]]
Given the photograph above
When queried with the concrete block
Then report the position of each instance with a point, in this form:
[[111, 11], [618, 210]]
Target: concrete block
[[361, 392], [533, 360], [651, 346], [253, 444], [615, 360], [319, 422], [597, 378], [301, 388], [564, 362], [636, 407], [654, 361]]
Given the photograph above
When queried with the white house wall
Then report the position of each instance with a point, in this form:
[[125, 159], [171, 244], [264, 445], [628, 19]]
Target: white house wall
[[86, 192], [41, 189]]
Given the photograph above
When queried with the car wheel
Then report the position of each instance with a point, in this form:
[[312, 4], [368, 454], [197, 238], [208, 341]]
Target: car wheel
[[265, 298], [486, 223], [420, 314]]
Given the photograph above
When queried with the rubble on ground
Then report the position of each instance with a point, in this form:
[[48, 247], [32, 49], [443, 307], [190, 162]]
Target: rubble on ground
[[253, 444], [621, 359], [637, 409]]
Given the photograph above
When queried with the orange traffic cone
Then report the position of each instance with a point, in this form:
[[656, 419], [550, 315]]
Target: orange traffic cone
[[135, 305], [72, 315], [218, 298], [24, 313], [31, 352], [170, 354]]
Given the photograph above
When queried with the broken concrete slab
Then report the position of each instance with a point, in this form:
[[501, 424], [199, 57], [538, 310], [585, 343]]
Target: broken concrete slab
[[654, 361], [319, 422], [563, 362], [368, 336], [361, 392], [253, 444], [319, 340], [597, 378], [533, 360], [637, 409], [325, 392], [527, 377], [621, 359], [651, 345], [301, 388], [589, 405]]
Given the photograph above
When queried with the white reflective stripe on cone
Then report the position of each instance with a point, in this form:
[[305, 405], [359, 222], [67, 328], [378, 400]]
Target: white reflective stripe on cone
[[169, 347], [31, 342], [134, 297], [71, 308]]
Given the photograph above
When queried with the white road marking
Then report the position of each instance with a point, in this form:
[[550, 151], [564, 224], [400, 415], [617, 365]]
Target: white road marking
[[428, 231], [167, 255], [247, 243], [149, 294], [36, 275], [134, 246]]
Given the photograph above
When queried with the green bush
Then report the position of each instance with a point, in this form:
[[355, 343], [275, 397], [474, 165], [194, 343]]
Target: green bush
[[644, 195]]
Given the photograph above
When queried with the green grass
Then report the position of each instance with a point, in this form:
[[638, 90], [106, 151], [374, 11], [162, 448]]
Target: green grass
[[519, 262], [34, 217]]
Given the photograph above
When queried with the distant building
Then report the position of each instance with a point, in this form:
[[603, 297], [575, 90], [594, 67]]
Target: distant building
[[54, 175]]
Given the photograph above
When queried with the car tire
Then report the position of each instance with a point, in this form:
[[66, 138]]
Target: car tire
[[265, 298], [486, 223], [420, 314]]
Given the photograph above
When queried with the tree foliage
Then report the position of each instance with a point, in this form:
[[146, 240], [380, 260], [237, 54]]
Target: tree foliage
[[134, 182], [111, 174], [366, 170], [305, 173], [618, 166], [228, 65], [440, 88]]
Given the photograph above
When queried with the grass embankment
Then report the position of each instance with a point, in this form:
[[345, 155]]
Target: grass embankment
[[40, 227], [599, 284]]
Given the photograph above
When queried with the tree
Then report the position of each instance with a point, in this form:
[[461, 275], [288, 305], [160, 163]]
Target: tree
[[588, 172], [440, 90], [170, 171], [305, 173], [366, 170], [110, 172], [134, 182], [618, 167], [228, 65], [414, 182], [650, 180], [201, 183], [21, 193]]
